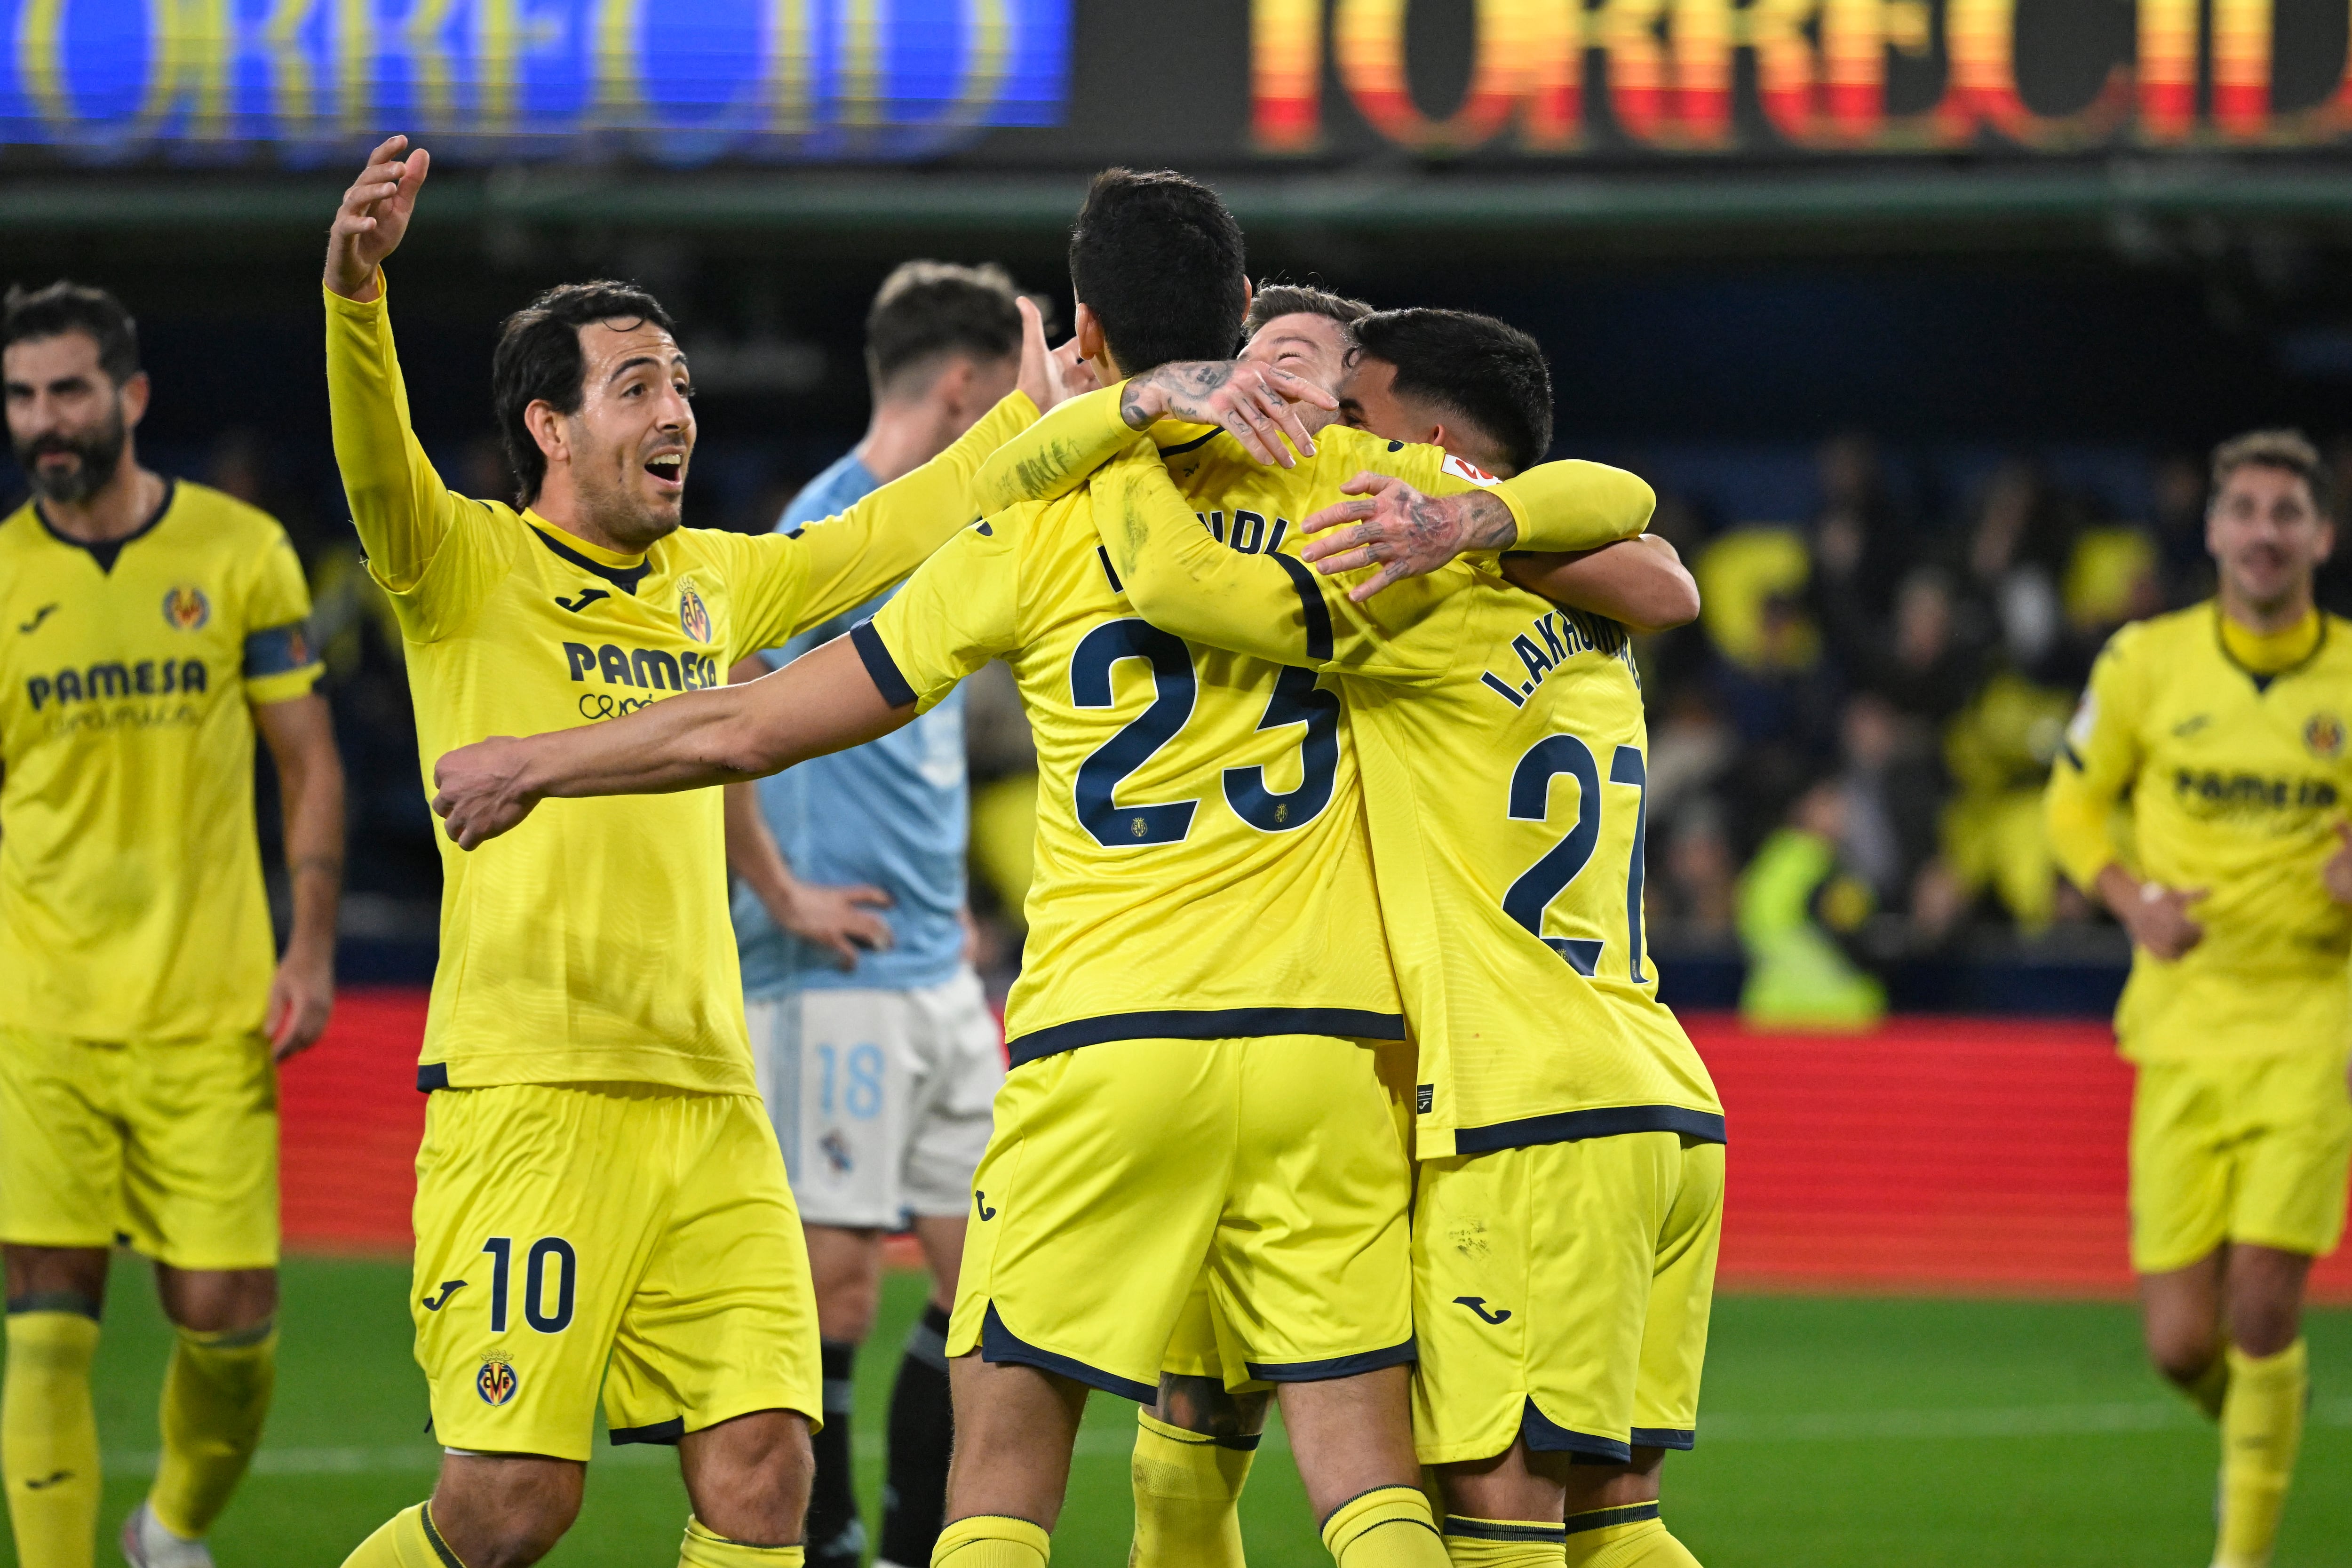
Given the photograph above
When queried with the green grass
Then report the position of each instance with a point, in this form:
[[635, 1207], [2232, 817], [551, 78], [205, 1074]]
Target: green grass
[[1837, 1431]]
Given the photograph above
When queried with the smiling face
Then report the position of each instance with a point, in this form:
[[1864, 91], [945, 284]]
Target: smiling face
[[1311, 347], [623, 457], [68, 424], [2267, 537]]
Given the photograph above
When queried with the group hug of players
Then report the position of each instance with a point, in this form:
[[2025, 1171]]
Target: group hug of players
[[1337, 1072]]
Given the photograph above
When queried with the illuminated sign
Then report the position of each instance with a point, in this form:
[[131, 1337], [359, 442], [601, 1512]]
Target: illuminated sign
[[1570, 75], [672, 80]]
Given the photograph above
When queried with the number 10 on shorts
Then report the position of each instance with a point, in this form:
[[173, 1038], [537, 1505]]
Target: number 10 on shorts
[[549, 1254]]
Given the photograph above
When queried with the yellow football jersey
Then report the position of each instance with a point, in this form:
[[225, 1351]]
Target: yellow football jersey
[[592, 943], [1504, 758], [131, 899], [1202, 869], [2235, 784]]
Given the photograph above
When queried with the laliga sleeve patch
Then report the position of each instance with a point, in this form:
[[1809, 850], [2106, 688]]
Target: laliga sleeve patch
[[1462, 470], [2086, 720]]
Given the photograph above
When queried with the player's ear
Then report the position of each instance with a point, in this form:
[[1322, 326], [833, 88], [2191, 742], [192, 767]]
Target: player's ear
[[546, 427], [135, 393], [1090, 333]]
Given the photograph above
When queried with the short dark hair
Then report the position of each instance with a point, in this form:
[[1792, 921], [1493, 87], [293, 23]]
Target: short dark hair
[[1158, 260], [539, 358], [926, 310], [1486, 371], [65, 306], [2289, 451], [1274, 299]]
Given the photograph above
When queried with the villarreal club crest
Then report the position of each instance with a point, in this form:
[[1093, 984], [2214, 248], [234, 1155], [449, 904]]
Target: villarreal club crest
[[497, 1382], [693, 614], [185, 609], [2325, 735]]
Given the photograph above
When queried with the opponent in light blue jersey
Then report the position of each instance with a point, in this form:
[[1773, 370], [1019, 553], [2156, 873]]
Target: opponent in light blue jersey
[[891, 815]]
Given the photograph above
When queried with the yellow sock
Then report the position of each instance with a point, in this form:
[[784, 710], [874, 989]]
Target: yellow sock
[[992, 1541], [701, 1548], [48, 1439], [1629, 1537], [2212, 1385], [1188, 1493], [407, 1539], [215, 1397], [1502, 1542], [1388, 1527], [2261, 1428]]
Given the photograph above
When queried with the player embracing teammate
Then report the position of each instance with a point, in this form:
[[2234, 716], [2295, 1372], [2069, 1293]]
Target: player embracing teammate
[[2224, 725]]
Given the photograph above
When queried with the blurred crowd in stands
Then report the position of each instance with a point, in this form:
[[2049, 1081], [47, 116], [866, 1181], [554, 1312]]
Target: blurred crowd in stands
[[1872, 694]]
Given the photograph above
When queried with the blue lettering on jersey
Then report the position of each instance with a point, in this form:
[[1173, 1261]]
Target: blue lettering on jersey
[[1552, 639], [646, 669], [113, 678]]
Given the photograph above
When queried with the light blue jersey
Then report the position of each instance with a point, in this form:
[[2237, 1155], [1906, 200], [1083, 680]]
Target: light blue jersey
[[892, 813]]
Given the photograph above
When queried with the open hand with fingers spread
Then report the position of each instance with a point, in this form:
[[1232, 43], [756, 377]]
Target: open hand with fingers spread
[[1403, 532], [1259, 403], [479, 791], [374, 216], [1049, 376]]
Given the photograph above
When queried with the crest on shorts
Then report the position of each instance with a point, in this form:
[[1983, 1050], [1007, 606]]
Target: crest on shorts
[[693, 614], [497, 1382], [186, 609], [2323, 733]]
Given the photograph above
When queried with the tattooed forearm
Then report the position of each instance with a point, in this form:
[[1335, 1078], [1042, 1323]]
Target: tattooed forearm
[[1491, 525], [1180, 389]]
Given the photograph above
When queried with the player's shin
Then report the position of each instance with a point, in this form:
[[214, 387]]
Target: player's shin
[[216, 1395], [1388, 1527], [703, 1548], [835, 1532], [1188, 1492], [406, 1540], [922, 1434], [1501, 1543], [1629, 1537], [2262, 1430], [49, 1437]]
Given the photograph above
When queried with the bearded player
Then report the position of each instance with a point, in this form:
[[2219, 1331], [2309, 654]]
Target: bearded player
[[2224, 725]]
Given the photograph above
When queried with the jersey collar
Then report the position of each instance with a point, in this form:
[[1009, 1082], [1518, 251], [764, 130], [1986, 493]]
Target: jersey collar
[[106, 551], [617, 569], [2262, 681]]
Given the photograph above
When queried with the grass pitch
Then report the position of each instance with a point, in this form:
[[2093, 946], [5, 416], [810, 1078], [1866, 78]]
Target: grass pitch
[[1835, 1432]]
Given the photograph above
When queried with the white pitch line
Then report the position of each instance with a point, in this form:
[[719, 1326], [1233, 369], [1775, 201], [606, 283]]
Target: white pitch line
[[1102, 1442]]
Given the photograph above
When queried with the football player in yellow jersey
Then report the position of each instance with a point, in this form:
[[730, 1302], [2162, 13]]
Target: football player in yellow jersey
[[1204, 959], [1596, 1215], [148, 628], [601, 1202], [2224, 726]]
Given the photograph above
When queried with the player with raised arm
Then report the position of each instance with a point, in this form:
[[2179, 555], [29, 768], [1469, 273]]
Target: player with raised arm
[[2223, 724], [601, 1202], [1204, 961], [880, 1051], [153, 626]]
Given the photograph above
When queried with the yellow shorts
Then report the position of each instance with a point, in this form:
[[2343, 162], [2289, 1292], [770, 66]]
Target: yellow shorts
[[2252, 1149], [622, 1235], [1122, 1173], [1561, 1293], [168, 1145]]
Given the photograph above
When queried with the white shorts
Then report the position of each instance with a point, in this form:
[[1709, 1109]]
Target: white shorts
[[881, 1098]]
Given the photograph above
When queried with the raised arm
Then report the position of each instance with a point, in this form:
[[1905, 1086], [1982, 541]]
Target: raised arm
[[823, 701], [399, 504], [1641, 584]]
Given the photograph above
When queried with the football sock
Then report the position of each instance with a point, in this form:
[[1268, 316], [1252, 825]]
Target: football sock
[[49, 1437], [1629, 1537], [835, 1534], [1386, 1527], [1502, 1542], [407, 1539], [216, 1393], [991, 1540], [923, 1431], [2212, 1385], [1188, 1493], [2261, 1428], [701, 1548]]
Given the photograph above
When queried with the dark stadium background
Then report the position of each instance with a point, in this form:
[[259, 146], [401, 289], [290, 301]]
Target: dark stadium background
[[1924, 1256]]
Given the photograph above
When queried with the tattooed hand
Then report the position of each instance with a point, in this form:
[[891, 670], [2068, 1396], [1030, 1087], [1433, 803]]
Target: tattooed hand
[[1253, 401], [1049, 376], [1403, 532]]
